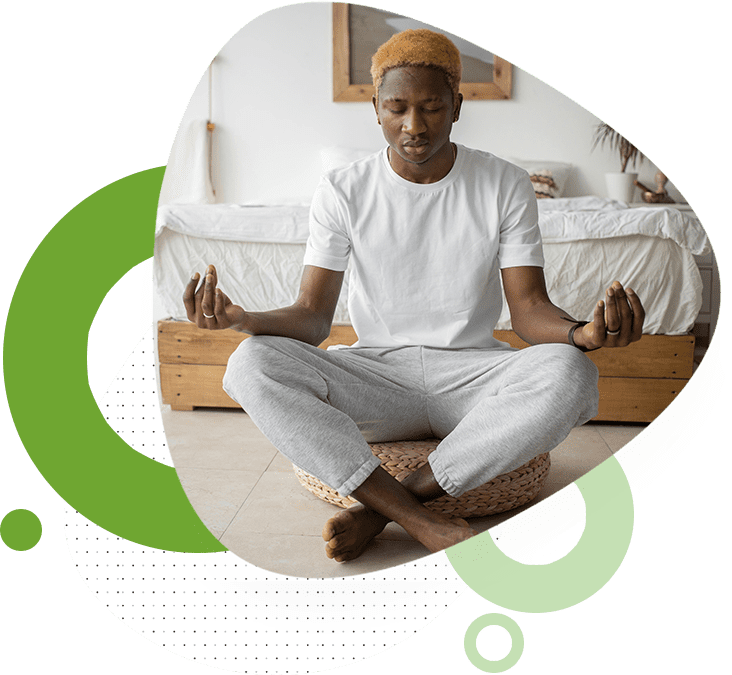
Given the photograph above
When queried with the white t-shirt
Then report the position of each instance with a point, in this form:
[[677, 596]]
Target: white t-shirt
[[425, 258]]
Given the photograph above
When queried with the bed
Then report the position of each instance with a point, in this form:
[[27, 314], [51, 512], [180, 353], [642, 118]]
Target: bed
[[588, 243]]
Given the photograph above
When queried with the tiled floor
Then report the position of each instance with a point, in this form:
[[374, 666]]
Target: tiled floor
[[249, 497]]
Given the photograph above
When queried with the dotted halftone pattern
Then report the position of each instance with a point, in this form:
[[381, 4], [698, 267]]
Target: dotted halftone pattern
[[132, 407], [219, 609]]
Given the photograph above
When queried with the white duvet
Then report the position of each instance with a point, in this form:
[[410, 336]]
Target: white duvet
[[588, 243]]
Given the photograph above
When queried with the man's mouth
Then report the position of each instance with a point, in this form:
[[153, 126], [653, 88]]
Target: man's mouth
[[415, 147]]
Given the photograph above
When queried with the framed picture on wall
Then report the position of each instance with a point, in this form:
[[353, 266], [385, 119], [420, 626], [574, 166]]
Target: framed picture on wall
[[359, 31]]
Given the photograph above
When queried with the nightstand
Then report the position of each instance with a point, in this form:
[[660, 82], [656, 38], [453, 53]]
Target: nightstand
[[706, 322]]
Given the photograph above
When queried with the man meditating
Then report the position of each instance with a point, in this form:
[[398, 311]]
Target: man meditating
[[430, 228]]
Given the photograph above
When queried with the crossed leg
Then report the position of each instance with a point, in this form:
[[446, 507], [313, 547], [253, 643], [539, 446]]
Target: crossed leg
[[530, 403], [319, 410], [382, 499]]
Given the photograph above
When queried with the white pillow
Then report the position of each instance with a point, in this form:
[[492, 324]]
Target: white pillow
[[336, 156], [548, 178]]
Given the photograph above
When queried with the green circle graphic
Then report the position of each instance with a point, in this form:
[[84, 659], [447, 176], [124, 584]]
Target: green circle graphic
[[94, 470], [508, 661], [20, 530], [571, 579]]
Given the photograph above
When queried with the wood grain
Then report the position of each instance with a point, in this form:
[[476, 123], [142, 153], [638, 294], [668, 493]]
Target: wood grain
[[636, 382], [655, 356]]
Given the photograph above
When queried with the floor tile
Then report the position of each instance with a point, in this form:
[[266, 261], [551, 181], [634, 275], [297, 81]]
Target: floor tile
[[280, 463], [241, 456], [280, 505], [249, 496], [217, 494], [216, 440], [617, 435]]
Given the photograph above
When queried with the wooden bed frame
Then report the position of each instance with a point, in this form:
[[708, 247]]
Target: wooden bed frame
[[636, 383]]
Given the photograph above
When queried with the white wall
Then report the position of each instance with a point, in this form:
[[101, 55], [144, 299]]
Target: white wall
[[273, 110]]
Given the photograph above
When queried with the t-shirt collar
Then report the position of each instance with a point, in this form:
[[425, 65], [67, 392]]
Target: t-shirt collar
[[426, 187]]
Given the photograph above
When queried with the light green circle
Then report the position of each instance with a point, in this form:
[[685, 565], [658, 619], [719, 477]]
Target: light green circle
[[471, 639], [571, 579], [20, 530]]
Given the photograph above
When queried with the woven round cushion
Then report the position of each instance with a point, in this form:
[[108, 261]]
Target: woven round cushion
[[399, 458]]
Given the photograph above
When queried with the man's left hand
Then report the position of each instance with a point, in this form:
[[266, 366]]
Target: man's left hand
[[616, 322]]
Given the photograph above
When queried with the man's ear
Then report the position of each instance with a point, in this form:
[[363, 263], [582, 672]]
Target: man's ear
[[375, 103], [458, 107]]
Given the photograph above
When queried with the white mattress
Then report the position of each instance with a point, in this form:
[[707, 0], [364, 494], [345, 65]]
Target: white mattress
[[588, 243]]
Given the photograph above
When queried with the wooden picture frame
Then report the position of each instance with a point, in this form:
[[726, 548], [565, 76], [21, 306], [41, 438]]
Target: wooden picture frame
[[346, 90]]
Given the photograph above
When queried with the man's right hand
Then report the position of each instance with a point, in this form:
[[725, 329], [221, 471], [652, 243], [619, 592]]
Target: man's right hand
[[208, 306]]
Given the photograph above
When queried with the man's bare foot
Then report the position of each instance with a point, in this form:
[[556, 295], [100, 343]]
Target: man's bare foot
[[349, 532], [437, 531]]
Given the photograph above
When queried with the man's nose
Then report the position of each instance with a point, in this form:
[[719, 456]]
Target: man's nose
[[413, 123]]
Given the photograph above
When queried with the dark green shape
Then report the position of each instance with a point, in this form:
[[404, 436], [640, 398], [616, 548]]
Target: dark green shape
[[20, 530], [94, 470]]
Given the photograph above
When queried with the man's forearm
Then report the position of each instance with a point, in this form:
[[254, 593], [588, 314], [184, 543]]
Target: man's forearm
[[543, 322], [294, 322]]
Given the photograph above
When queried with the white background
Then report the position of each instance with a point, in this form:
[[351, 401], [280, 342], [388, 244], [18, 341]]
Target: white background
[[286, 95]]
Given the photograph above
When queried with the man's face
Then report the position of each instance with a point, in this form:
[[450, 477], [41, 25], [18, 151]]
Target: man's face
[[416, 111]]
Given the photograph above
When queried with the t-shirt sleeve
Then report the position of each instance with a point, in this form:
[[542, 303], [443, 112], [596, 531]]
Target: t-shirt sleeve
[[328, 244], [520, 240]]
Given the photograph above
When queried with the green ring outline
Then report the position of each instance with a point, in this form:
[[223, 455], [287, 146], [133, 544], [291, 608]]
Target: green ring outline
[[45, 367], [471, 647], [571, 579]]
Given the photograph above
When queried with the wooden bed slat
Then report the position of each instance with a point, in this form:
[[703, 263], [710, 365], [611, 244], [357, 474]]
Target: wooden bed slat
[[630, 399], [186, 386], [637, 383], [656, 356], [184, 342], [652, 356], [635, 399]]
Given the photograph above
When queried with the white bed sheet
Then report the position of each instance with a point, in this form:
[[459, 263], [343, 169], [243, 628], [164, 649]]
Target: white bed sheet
[[256, 275], [588, 243]]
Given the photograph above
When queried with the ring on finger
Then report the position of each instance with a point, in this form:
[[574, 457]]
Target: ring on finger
[[206, 316], [609, 332]]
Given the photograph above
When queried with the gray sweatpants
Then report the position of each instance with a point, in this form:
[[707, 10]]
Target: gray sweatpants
[[495, 409]]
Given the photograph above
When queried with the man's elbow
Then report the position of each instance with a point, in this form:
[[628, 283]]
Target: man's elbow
[[320, 331], [522, 327]]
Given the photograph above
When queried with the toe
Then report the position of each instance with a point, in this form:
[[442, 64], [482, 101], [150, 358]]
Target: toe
[[340, 541], [331, 528], [328, 531]]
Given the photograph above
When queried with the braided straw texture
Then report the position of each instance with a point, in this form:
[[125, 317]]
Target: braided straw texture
[[507, 491]]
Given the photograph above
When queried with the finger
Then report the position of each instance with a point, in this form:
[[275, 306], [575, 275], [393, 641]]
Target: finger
[[220, 308], [189, 300], [612, 318], [639, 315], [598, 324], [626, 314], [212, 271], [207, 301]]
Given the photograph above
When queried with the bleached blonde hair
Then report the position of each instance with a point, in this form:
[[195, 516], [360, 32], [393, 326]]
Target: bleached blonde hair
[[419, 47]]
